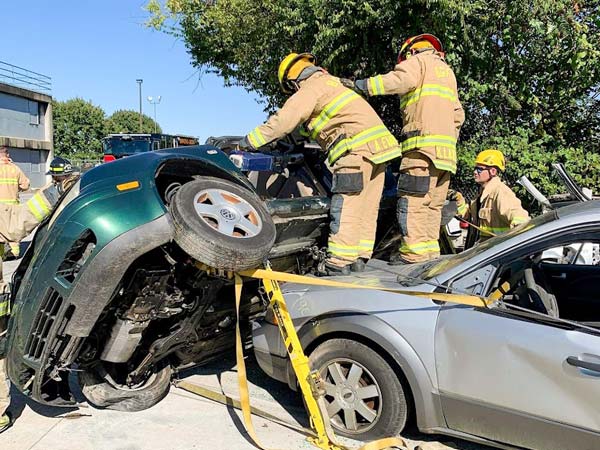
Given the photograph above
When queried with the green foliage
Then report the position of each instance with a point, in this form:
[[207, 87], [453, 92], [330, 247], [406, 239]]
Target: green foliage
[[78, 128], [528, 72], [128, 121]]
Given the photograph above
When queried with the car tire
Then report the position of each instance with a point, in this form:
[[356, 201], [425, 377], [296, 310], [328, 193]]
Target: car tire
[[383, 413], [99, 389], [222, 224]]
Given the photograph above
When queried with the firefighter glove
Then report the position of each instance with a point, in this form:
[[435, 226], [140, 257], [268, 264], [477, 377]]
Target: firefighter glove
[[456, 197], [245, 145], [360, 86]]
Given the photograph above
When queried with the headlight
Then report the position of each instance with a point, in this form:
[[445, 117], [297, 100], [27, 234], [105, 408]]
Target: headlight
[[68, 198]]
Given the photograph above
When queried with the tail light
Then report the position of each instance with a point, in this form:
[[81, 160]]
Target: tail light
[[108, 158]]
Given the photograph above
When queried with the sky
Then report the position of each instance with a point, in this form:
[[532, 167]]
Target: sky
[[97, 49]]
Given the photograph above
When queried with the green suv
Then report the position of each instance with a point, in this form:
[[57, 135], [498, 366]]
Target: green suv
[[111, 288]]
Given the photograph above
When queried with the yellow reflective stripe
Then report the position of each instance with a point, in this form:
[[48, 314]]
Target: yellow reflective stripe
[[445, 165], [343, 250], [4, 308], [386, 155], [9, 180], [519, 220], [376, 85], [9, 201], [495, 230], [436, 90], [462, 209], [431, 140], [330, 110], [420, 248], [256, 138], [366, 244], [37, 207], [362, 138]]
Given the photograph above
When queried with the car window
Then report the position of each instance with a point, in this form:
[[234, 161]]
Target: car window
[[558, 280]]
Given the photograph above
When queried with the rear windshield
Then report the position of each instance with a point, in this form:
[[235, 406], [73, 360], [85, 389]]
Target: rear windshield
[[122, 147]]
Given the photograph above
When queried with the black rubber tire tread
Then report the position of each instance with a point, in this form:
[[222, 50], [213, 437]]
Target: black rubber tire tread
[[395, 407], [102, 394], [205, 244]]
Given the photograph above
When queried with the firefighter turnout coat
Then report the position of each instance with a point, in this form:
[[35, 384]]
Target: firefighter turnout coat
[[339, 119], [496, 210], [12, 180], [431, 111]]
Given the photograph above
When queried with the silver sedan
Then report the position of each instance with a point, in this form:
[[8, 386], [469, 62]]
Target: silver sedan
[[524, 372]]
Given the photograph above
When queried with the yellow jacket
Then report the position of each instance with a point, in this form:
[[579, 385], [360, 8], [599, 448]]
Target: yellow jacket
[[338, 118], [431, 112], [497, 209], [12, 180]]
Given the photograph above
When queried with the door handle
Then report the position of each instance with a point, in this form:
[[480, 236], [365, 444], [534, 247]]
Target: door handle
[[560, 276], [574, 361]]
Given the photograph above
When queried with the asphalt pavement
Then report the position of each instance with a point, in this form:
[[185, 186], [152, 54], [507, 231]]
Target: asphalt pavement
[[181, 421]]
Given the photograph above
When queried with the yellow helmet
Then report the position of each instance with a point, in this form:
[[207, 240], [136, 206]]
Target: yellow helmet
[[491, 157], [291, 67]]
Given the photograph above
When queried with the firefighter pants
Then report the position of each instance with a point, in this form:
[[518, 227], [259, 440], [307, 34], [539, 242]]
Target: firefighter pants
[[422, 190], [357, 187]]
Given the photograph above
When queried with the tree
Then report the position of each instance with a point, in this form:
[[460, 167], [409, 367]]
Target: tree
[[78, 128], [528, 72], [128, 121]]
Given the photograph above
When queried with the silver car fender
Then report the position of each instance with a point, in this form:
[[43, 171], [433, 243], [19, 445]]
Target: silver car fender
[[365, 328]]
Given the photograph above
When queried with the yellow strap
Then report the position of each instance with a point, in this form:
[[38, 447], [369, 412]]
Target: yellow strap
[[463, 299], [325, 438]]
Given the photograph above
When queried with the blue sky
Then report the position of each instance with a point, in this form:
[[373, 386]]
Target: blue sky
[[97, 49]]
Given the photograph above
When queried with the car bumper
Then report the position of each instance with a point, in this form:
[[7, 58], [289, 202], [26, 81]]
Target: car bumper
[[270, 353]]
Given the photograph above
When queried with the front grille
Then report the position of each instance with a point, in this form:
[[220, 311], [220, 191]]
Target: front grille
[[43, 324]]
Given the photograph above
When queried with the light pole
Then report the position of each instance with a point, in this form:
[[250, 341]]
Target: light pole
[[139, 81], [154, 101]]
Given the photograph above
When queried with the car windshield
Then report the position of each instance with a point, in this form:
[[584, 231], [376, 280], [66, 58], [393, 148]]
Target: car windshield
[[433, 268], [120, 147]]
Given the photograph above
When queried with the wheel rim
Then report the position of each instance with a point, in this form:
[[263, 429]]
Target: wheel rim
[[227, 213], [352, 394]]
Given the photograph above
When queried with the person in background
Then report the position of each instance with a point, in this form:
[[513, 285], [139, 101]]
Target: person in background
[[12, 181], [496, 209]]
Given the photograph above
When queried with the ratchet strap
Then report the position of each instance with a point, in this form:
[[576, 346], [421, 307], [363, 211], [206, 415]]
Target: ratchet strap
[[311, 383]]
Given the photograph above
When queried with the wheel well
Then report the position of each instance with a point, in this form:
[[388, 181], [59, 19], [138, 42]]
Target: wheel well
[[381, 352], [184, 170]]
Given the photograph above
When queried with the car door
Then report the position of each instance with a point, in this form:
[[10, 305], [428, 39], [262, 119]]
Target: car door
[[511, 378]]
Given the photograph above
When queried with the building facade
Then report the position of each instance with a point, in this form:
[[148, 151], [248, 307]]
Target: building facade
[[26, 121]]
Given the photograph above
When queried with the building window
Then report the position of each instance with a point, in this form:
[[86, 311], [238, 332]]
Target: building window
[[34, 113]]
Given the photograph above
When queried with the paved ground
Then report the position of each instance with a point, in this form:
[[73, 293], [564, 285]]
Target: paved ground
[[181, 421]]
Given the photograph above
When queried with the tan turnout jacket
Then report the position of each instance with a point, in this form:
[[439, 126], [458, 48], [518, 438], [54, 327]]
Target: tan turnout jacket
[[338, 118], [431, 112], [12, 180], [499, 209]]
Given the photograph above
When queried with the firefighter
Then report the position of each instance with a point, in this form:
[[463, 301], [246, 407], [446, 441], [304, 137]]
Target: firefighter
[[12, 181], [16, 222], [62, 173], [432, 116], [357, 144], [496, 209]]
